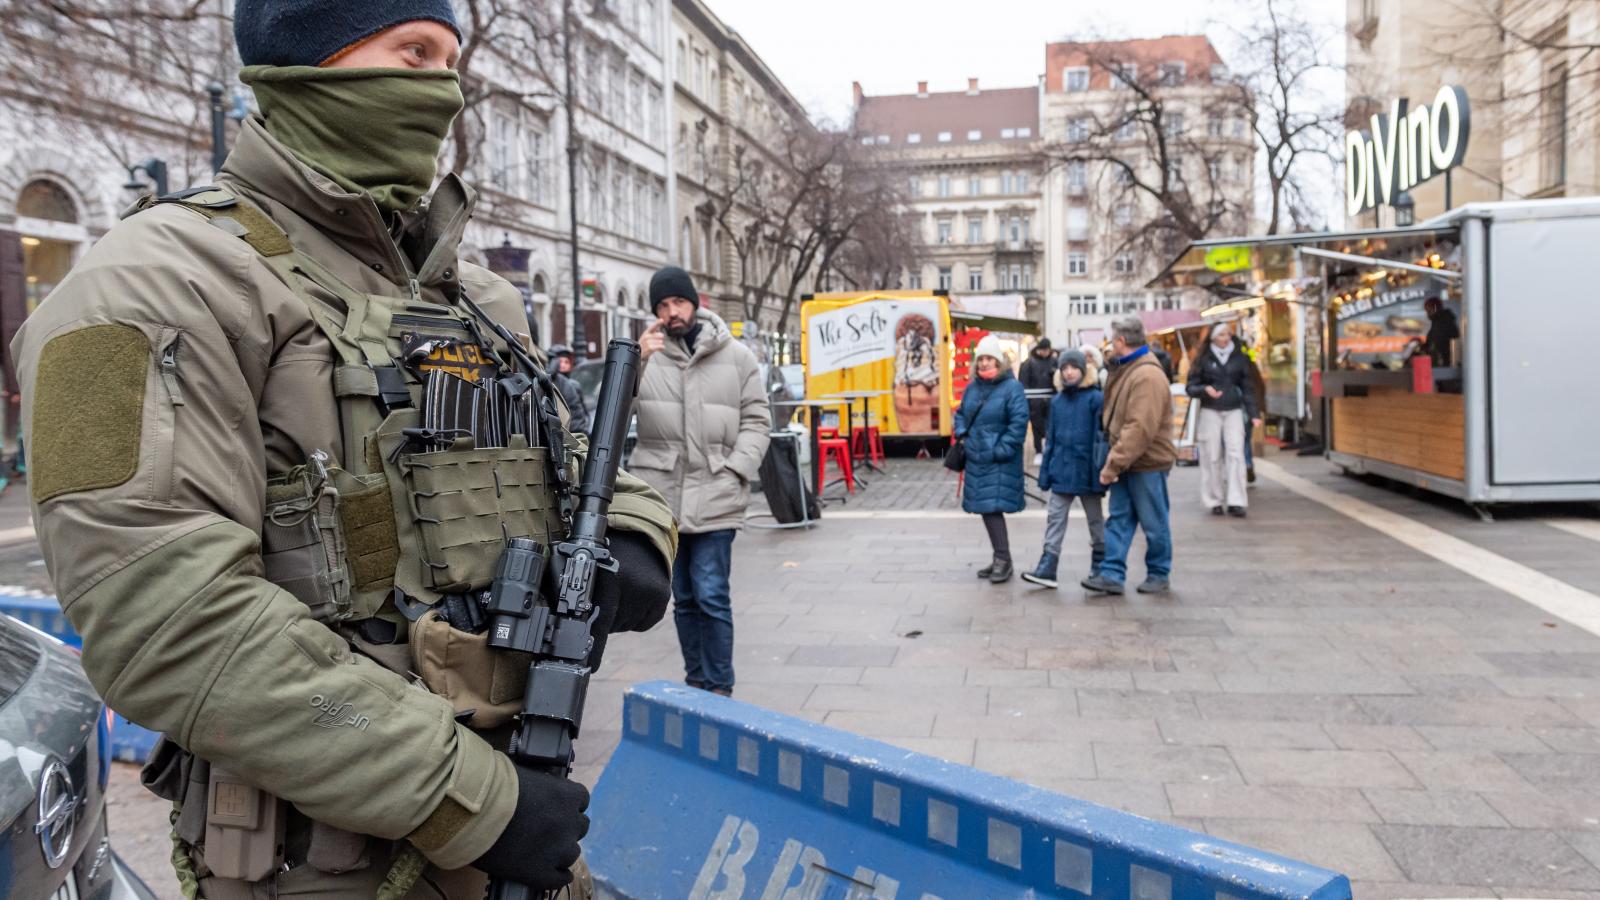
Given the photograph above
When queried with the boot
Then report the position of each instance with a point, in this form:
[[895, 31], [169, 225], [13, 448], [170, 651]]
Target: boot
[[1044, 574], [1001, 572], [988, 570]]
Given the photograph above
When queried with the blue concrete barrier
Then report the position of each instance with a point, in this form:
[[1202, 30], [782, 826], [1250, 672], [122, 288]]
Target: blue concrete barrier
[[129, 742], [707, 798]]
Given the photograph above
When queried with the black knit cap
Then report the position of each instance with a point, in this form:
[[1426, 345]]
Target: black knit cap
[[1044, 344], [672, 281], [309, 32]]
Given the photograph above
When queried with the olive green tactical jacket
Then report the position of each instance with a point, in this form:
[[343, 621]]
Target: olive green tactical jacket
[[164, 380]]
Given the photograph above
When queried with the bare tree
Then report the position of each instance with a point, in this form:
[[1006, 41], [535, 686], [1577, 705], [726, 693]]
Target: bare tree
[[1280, 55], [1164, 180]]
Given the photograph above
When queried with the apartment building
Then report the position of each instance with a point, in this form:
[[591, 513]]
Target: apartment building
[[1100, 245], [730, 114], [974, 173]]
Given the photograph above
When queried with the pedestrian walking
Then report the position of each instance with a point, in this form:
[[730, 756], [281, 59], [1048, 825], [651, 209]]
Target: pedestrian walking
[[263, 563], [703, 431], [577, 404], [992, 423], [1038, 373], [1220, 381], [1258, 390], [1068, 471], [1138, 423]]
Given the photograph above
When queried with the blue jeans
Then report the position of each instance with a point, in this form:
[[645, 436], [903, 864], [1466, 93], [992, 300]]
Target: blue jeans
[[1138, 499], [702, 608]]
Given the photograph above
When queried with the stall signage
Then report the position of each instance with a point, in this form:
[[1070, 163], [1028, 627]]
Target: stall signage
[[1355, 306], [1228, 259], [1405, 147], [860, 333]]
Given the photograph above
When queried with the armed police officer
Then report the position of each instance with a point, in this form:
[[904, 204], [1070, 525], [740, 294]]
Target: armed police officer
[[279, 441]]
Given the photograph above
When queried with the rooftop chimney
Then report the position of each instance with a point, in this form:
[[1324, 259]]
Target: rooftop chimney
[[922, 89], [972, 87], [855, 88]]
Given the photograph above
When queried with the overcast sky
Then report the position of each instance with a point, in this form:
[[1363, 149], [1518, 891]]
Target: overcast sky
[[817, 47]]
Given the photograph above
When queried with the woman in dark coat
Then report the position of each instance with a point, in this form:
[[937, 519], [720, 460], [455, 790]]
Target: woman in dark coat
[[993, 422]]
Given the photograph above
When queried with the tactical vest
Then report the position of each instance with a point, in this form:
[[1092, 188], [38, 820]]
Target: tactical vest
[[381, 542]]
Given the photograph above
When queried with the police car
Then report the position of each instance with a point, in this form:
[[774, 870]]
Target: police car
[[55, 758]]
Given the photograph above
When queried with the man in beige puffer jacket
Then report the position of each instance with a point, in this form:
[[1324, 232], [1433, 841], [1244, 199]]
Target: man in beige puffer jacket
[[704, 427]]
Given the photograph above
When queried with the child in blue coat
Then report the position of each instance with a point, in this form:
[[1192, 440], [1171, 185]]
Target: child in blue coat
[[1068, 471]]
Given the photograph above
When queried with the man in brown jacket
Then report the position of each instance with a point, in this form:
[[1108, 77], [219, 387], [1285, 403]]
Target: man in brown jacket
[[245, 519], [1138, 421]]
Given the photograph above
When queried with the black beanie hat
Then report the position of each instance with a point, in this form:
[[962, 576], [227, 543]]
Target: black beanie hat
[[1044, 344], [672, 281], [309, 32]]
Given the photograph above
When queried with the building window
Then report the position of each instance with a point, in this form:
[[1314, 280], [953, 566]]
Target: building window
[[914, 186], [1021, 183], [1214, 170], [944, 227], [914, 137], [974, 186], [946, 279], [1122, 264], [1076, 79], [1077, 264], [1238, 168], [700, 73], [1082, 305], [1016, 232], [975, 135], [1124, 75], [1175, 169], [1214, 125], [1005, 182], [1219, 73], [654, 112], [974, 279], [1122, 215], [1027, 276], [1007, 133], [944, 185], [974, 230], [1172, 123], [1127, 130], [944, 137], [683, 64], [1077, 225], [1172, 74], [1078, 129], [1238, 126], [914, 281], [1077, 176], [1553, 128], [1024, 132]]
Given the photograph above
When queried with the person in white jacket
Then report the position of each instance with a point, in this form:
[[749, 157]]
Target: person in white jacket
[[704, 427]]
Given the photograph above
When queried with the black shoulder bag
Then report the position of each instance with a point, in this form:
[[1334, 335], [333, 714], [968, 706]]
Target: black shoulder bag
[[955, 459]]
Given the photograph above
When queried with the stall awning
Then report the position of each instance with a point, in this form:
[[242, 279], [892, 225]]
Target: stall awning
[[1220, 263], [1000, 324]]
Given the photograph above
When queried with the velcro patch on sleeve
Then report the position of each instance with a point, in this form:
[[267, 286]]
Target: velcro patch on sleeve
[[88, 410]]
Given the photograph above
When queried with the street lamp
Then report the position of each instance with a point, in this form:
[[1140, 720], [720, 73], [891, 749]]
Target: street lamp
[[1405, 210], [156, 169]]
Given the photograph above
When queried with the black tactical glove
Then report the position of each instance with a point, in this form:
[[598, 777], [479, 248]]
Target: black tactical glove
[[635, 598], [540, 843]]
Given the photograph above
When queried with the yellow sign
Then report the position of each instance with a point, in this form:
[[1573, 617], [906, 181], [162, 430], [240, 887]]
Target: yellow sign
[[1228, 259], [893, 345], [736, 328]]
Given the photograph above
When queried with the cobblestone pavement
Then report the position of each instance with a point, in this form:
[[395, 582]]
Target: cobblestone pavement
[[1313, 685]]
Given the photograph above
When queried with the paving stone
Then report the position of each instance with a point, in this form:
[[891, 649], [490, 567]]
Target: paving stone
[[1491, 857], [1287, 735], [1089, 678], [1094, 703], [1286, 802], [1163, 763], [885, 675], [956, 750], [1526, 686], [1492, 711], [1008, 678], [1586, 843], [752, 673], [1175, 682], [1324, 768], [873, 698], [1482, 738], [1445, 770], [1346, 847], [1534, 808], [1569, 740], [1046, 728], [1557, 771], [1282, 708], [1323, 683], [1375, 737], [848, 655], [1141, 798], [1578, 665], [1047, 701], [1029, 760], [1431, 807]]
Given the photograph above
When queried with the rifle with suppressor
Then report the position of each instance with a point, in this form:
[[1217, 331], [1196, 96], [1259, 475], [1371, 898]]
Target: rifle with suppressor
[[558, 634]]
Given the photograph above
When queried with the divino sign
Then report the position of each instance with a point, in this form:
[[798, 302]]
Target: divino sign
[[1404, 148]]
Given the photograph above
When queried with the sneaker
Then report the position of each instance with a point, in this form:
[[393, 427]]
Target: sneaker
[[1238, 512], [1099, 584], [1216, 510], [1001, 573], [1044, 574], [1154, 585]]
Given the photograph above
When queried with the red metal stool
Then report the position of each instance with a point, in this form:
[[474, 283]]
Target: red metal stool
[[839, 449], [866, 442]]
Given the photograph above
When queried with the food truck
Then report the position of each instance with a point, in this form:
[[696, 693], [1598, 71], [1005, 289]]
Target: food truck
[[915, 346], [1432, 354]]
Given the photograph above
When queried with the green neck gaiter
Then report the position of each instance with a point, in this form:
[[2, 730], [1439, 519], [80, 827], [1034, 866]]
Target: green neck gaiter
[[373, 131]]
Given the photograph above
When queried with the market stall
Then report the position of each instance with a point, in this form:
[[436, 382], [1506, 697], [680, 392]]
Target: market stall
[[1434, 353]]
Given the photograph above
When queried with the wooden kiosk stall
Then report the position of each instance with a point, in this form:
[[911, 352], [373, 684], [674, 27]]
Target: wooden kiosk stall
[[1448, 361]]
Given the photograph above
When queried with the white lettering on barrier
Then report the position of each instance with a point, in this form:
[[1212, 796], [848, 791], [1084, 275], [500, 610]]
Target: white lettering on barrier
[[722, 874]]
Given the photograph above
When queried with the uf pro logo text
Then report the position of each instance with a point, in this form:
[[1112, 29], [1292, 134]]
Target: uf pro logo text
[[801, 872]]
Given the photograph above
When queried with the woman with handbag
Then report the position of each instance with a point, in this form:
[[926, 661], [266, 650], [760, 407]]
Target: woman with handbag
[[990, 427], [1074, 451]]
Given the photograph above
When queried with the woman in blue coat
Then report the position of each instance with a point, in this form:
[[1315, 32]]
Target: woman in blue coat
[[993, 421], [1068, 471]]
